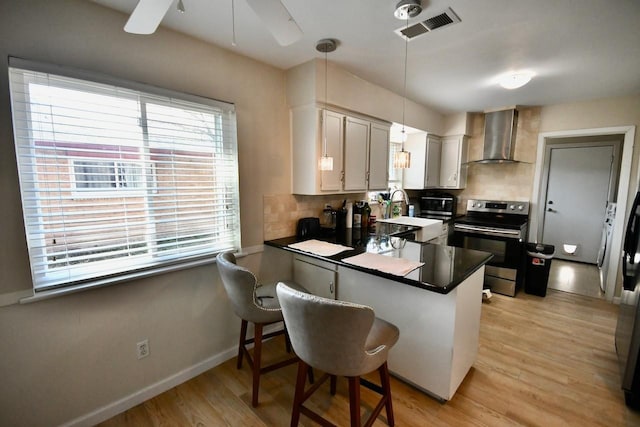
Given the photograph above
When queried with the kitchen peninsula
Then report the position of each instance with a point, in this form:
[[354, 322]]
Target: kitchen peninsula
[[436, 306]]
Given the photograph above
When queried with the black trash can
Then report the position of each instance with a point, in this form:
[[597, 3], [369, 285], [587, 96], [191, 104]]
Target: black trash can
[[539, 258]]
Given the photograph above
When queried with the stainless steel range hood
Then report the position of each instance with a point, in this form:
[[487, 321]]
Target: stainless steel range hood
[[499, 136]]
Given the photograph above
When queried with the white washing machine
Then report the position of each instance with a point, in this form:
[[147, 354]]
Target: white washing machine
[[604, 252]]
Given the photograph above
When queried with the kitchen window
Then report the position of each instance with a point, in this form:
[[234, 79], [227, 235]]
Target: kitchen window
[[395, 175], [119, 179]]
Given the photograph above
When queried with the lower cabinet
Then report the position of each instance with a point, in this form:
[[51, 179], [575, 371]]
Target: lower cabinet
[[443, 237], [318, 277]]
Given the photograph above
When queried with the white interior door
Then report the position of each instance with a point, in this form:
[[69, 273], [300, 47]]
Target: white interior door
[[577, 192]]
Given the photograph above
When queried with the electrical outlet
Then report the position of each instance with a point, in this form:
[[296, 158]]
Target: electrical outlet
[[143, 348]]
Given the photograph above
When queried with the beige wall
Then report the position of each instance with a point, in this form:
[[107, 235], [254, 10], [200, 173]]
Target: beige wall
[[66, 357], [600, 113], [306, 85]]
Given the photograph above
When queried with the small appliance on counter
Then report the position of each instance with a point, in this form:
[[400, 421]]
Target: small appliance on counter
[[308, 228], [437, 206]]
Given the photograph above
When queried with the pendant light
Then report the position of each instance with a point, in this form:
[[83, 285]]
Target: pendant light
[[326, 162], [405, 9]]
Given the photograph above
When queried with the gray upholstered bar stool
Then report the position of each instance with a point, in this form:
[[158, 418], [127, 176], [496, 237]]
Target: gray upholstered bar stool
[[338, 338], [254, 303]]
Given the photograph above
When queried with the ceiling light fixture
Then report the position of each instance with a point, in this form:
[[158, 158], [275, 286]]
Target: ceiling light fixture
[[402, 159], [325, 46], [515, 80]]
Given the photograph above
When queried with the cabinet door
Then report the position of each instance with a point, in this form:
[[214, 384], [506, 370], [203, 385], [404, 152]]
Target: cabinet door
[[356, 143], [413, 178], [434, 154], [452, 166], [332, 127], [378, 157], [315, 279]]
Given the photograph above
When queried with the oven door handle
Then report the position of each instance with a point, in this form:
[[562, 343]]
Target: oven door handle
[[487, 231]]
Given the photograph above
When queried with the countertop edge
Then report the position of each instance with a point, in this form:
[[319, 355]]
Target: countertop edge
[[337, 260]]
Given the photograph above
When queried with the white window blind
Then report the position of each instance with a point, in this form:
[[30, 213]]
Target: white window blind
[[116, 179]]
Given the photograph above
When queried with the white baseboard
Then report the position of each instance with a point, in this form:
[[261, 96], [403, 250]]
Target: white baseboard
[[128, 402], [616, 300]]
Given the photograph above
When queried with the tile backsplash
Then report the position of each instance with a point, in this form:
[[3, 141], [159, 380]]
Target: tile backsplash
[[509, 181], [282, 211]]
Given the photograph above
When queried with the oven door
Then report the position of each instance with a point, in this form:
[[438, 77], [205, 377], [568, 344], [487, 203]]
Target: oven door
[[507, 251], [504, 273]]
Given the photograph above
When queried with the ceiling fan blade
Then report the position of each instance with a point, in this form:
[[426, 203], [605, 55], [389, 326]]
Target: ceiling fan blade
[[278, 20], [147, 15]]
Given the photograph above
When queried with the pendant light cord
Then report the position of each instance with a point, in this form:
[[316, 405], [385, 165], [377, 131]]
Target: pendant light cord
[[404, 89], [324, 121]]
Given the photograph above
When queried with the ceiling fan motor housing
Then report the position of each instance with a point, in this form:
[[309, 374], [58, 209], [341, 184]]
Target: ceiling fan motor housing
[[406, 9], [326, 45]]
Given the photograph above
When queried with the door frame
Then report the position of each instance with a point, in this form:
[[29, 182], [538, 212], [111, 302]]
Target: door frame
[[624, 183], [613, 141]]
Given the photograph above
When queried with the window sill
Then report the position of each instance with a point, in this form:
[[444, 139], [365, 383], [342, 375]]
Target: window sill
[[67, 290]]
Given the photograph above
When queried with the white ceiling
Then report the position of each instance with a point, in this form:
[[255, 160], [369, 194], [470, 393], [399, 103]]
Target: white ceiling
[[578, 49]]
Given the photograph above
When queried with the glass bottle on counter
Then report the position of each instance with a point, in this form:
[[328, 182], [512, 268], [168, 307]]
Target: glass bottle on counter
[[357, 215], [366, 214]]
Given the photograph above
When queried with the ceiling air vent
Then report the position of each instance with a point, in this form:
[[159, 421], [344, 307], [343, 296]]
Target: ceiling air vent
[[443, 19]]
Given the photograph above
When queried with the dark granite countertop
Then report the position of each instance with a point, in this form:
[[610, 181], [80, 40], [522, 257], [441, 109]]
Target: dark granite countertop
[[445, 267]]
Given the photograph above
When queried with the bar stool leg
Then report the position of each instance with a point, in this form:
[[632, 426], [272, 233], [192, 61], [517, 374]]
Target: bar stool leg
[[243, 338], [386, 387], [332, 385], [257, 353], [354, 400], [299, 393]]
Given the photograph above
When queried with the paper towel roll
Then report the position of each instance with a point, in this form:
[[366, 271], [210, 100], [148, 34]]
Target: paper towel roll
[[349, 215]]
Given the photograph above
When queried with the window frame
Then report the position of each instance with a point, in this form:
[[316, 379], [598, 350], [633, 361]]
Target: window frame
[[149, 188]]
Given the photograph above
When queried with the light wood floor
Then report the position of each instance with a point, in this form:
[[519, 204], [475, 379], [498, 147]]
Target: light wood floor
[[542, 362]]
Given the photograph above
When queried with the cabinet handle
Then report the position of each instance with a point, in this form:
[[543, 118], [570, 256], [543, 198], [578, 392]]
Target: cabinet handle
[[331, 289], [342, 176]]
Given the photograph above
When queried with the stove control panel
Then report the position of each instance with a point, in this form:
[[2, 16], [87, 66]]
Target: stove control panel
[[498, 206]]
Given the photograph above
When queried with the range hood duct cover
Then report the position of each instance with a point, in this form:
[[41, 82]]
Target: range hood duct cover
[[500, 136]]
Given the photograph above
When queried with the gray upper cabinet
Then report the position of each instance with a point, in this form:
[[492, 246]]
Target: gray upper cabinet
[[356, 146], [359, 147], [331, 124], [378, 174], [436, 162], [434, 154], [414, 177], [453, 167]]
